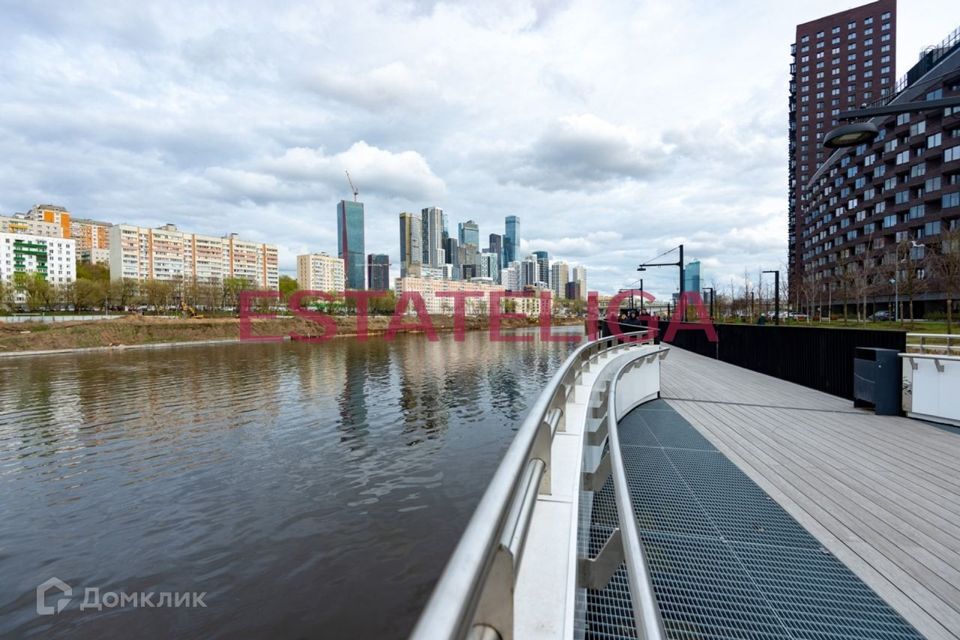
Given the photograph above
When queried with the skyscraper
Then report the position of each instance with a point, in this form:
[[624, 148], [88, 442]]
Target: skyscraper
[[543, 267], [378, 271], [496, 246], [350, 241], [511, 240], [411, 252], [451, 252], [840, 62], [470, 233], [873, 215], [559, 276], [432, 225], [692, 282], [529, 271], [490, 266], [511, 277], [580, 277]]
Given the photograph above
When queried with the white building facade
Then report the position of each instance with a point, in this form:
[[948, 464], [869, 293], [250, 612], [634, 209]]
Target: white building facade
[[168, 254], [321, 272], [24, 255]]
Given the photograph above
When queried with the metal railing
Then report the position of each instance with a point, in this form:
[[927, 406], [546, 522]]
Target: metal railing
[[474, 596], [934, 343], [623, 544]]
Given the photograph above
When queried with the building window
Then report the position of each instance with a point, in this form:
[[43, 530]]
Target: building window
[[951, 200]]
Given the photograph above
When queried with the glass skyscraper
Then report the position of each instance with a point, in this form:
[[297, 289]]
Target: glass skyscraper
[[511, 240], [470, 234], [378, 271], [432, 221], [543, 267], [350, 242]]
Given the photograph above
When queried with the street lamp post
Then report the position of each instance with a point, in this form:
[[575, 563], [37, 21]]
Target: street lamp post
[[776, 294], [713, 295], [895, 281], [678, 263]]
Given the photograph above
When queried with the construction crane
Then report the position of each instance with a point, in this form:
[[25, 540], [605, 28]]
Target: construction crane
[[356, 192]]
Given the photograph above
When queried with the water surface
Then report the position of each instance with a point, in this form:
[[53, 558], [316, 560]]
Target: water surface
[[312, 491]]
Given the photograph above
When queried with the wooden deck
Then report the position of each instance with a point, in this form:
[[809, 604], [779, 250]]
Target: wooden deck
[[881, 493]]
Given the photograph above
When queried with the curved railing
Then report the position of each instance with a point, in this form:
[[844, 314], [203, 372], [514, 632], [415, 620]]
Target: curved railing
[[646, 613], [474, 596]]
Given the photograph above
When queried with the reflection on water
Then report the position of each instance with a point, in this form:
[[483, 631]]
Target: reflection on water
[[312, 490]]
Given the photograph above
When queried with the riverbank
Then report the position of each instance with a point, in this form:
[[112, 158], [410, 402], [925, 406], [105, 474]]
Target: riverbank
[[144, 331]]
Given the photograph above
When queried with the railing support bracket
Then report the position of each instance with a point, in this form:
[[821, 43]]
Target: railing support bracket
[[595, 573]]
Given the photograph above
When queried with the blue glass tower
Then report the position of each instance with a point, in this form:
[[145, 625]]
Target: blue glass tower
[[511, 240], [350, 242]]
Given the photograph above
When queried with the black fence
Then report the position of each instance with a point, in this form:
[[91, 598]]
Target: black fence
[[817, 357]]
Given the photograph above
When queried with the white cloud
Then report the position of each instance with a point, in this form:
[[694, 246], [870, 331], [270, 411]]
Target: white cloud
[[377, 171], [615, 130]]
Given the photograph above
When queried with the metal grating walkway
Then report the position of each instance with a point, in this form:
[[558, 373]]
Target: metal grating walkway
[[726, 560]]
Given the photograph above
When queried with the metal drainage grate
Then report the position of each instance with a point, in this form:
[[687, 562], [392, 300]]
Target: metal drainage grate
[[726, 561]]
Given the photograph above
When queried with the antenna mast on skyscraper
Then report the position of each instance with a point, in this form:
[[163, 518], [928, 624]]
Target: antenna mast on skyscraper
[[356, 192]]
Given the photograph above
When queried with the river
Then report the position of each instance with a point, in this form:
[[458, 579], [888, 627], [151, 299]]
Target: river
[[310, 490]]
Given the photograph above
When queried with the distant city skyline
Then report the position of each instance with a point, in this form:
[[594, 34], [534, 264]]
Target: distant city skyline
[[233, 131]]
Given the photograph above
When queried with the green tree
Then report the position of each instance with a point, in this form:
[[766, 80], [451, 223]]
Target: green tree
[[287, 286], [384, 304], [231, 291], [6, 294], [157, 294], [95, 272], [124, 293], [40, 294]]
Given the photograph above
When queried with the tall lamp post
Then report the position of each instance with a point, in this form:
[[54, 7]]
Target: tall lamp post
[[776, 295], [678, 263], [713, 296], [896, 297]]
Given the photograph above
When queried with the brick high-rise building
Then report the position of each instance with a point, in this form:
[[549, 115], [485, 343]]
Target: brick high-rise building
[[841, 62], [873, 217]]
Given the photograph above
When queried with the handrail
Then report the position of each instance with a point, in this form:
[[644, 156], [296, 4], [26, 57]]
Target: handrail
[[646, 613], [467, 601], [942, 342]]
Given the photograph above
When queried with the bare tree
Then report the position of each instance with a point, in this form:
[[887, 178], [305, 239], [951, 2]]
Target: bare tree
[[910, 262], [808, 292], [946, 267]]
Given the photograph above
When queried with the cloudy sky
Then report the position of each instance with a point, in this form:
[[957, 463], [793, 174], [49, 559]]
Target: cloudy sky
[[615, 130]]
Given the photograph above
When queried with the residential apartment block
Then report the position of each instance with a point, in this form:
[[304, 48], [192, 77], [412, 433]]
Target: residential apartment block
[[559, 276], [428, 288], [840, 62], [22, 255], [168, 254], [53, 214], [320, 272], [20, 223], [871, 214], [93, 239]]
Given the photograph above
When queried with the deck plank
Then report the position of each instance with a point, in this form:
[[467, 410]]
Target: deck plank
[[881, 493]]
